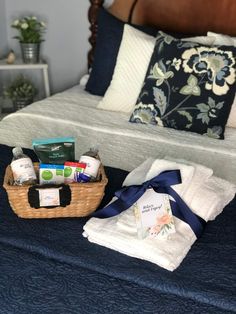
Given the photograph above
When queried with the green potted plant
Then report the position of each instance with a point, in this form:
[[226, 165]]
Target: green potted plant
[[30, 37], [21, 91]]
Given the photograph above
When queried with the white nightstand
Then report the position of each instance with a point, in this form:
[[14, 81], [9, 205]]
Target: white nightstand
[[19, 65]]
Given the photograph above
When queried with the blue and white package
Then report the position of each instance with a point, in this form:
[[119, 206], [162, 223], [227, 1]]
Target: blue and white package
[[51, 174]]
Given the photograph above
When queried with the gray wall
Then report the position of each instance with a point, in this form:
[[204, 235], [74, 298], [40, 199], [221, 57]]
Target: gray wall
[[3, 29], [66, 39], [3, 37]]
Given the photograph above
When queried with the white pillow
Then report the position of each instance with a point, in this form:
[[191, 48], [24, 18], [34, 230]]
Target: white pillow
[[226, 41], [220, 39], [231, 123], [203, 40], [131, 65], [84, 79]]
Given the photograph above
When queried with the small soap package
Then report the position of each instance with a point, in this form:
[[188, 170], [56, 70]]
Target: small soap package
[[71, 169], [51, 174]]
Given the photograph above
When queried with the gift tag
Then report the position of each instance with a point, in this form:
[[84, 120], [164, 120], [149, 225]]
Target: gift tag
[[49, 197], [153, 215]]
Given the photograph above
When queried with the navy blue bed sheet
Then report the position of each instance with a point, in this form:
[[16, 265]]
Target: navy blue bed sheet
[[46, 266]]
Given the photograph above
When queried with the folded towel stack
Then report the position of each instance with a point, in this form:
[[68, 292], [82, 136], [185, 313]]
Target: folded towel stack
[[204, 193]]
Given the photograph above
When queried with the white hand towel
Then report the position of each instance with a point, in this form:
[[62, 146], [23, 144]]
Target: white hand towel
[[211, 198], [120, 232], [153, 167], [200, 175], [207, 195]]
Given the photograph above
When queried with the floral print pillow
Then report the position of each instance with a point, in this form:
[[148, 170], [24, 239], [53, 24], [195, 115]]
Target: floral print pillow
[[188, 87]]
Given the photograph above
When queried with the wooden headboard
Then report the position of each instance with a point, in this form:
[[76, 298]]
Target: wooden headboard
[[194, 17]]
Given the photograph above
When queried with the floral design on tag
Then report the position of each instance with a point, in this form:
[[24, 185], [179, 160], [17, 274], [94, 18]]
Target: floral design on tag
[[163, 226], [153, 215]]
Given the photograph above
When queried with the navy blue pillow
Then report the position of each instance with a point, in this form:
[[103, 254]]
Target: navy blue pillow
[[188, 87], [110, 31]]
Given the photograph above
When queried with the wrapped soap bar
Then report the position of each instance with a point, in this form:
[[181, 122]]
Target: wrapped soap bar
[[82, 177], [71, 169], [53, 174]]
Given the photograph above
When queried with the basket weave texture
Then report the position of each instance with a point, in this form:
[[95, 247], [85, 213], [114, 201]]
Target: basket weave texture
[[85, 198]]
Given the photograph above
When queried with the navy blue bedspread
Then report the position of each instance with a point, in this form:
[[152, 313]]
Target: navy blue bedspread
[[46, 266]]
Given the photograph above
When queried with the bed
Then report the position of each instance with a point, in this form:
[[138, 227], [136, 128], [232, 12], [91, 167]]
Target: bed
[[47, 266], [105, 127]]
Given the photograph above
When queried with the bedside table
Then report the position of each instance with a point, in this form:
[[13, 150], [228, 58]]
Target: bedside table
[[19, 65]]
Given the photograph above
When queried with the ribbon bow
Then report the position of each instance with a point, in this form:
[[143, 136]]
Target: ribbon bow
[[128, 195]]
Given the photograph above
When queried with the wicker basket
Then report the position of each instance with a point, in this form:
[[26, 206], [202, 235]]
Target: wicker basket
[[85, 198]]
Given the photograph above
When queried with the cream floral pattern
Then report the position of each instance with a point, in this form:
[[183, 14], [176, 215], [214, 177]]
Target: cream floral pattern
[[188, 87], [208, 110], [163, 225], [216, 64]]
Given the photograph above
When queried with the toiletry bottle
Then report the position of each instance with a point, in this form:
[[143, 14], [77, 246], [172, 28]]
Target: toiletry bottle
[[93, 152], [22, 168], [92, 162]]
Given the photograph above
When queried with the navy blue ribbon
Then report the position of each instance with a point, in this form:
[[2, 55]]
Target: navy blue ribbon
[[162, 183]]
